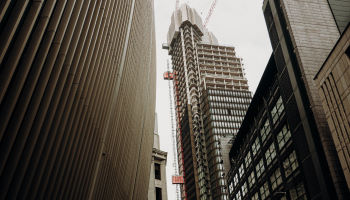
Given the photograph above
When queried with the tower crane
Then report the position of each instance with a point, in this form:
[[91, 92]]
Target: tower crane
[[211, 10]]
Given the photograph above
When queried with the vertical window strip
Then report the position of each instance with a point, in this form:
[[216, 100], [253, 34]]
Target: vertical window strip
[[276, 179], [256, 146], [241, 171], [248, 159], [265, 130], [283, 136], [260, 168], [298, 192], [277, 110], [256, 196], [270, 154], [264, 191], [251, 179]]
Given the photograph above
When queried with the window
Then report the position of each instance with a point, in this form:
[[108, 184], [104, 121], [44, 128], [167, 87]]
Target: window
[[290, 164], [270, 154], [277, 110], [283, 136], [260, 168], [276, 179], [158, 193], [251, 179], [256, 196], [238, 195], [244, 189], [241, 171], [298, 193], [264, 191], [157, 171], [230, 188], [235, 180], [265, 130], [256, 146]]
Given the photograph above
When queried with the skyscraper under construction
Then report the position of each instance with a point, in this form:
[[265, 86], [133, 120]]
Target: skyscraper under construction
[[211, 97], [77, 99]]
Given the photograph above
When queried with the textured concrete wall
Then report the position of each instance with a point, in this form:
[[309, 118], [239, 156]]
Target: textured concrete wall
[[334, 87], [340, 10]]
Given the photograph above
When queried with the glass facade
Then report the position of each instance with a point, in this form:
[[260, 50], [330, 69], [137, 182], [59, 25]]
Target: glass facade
[[264, 162], [266, 174], [224, 110]]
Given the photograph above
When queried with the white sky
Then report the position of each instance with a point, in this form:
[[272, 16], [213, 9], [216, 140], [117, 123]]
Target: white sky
[[238, 23]]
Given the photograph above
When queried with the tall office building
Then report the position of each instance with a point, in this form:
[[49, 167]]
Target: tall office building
[[302, 34], [157, 189], [211, 97], [77, 93], [273, 157]]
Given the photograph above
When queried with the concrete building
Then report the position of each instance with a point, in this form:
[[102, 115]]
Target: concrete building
[[77, 99], [211, 97], [157, 182], [333, 81]]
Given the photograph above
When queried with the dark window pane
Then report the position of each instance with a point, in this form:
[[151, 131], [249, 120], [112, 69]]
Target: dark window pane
[[157, 171], [158, 193]]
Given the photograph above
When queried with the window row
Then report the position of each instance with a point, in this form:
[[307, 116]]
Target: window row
[[290, 164], [282, 138], [229, 105], [221, 131], [229, 93], [217, 111], [296, 192], [229, 99], [225, 124], [226, 118]]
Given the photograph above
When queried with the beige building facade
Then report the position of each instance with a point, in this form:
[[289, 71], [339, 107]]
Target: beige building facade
[[333, 81], [77, 98], [157, 182]]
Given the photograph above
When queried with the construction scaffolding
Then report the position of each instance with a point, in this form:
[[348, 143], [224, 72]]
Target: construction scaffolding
[[176, 179]]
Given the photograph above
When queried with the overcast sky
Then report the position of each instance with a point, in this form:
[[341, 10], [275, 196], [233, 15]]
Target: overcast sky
[[238, 23]]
